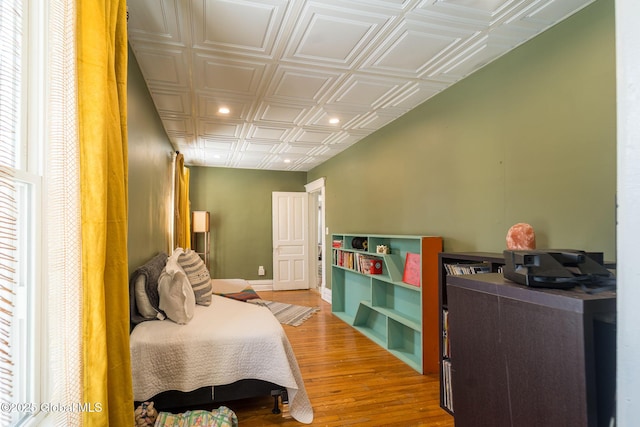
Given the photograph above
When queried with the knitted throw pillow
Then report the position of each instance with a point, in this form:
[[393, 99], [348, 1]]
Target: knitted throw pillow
[[198, 275]]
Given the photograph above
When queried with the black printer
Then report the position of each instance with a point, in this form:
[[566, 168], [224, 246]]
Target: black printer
[[563, 268]]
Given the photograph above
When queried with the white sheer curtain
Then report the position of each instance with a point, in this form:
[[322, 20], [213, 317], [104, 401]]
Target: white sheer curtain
[[10, 41], [46, 309], [62, 186], [7, 281]]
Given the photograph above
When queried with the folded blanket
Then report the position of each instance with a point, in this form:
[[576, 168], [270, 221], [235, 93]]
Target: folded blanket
[[238, 289], [221, 417]]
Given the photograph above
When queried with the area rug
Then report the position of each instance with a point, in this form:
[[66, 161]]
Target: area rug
[[288, 314]]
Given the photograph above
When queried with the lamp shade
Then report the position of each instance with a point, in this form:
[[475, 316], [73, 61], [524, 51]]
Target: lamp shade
[[200, 221]]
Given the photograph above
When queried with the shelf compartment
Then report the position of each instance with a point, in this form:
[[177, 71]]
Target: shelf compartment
[[405, 343], [393, 267], [395, 315], [399, 245], [357, 288], [399, 302], [348, 292], [495, 261], [337, 291], [372, 323], [347, 242]]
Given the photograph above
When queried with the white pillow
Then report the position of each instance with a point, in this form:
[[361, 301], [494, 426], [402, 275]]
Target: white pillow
[[143, 304], [176, 296], [172, 262]]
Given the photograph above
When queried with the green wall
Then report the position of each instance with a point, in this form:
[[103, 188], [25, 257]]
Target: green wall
[[149, 173], [239, 202], [530, 138]]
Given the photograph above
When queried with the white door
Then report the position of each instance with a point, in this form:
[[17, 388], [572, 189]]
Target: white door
[[290, 240]]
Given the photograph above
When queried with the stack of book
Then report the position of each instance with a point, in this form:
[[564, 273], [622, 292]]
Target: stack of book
[[356, 261], [462, 268], [454, 269]]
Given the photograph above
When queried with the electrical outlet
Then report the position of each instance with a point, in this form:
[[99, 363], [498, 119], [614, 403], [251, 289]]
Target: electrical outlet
[[261, 270]]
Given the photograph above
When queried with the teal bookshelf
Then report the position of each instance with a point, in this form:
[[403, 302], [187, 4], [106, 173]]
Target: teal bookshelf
[[374, 294]]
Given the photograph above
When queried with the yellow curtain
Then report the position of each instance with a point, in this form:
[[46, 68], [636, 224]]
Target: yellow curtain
[[186, 209], [182, 219], [102, 109]]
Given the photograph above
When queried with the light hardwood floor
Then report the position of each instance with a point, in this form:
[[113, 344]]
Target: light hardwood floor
[[350, 380]]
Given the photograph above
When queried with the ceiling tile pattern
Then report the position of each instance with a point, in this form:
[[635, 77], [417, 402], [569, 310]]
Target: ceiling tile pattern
[[285, 68]]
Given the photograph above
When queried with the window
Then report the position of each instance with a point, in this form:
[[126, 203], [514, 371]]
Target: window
[[21, 127], [26, 349]]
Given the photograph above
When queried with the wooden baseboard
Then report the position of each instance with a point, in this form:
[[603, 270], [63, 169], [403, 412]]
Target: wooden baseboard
[[261, 285]]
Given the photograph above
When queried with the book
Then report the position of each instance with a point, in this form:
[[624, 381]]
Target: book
[[359, 262], [446, 349], [467, 268], [447, 389], [375, 266], [370, 265], [411, 273]]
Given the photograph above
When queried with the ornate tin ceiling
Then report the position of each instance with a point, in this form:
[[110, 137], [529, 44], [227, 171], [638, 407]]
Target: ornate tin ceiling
[[287, 69]]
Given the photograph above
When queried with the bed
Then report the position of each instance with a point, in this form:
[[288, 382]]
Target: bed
[[229, 349]]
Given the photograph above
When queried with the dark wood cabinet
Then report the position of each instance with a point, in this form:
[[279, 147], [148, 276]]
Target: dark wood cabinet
[[524, 356], [456, 263]]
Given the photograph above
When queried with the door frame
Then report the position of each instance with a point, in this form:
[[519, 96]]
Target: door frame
[[317, 188]]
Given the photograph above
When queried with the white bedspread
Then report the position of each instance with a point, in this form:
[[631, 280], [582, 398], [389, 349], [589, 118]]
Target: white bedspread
[[225, 342]]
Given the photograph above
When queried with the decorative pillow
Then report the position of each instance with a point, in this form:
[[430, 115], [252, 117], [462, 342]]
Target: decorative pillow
[[143, 304], [143, 290], [172, 262], [198, 275], [176, 297]]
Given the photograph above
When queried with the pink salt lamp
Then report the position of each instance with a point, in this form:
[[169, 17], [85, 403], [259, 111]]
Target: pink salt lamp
[[521, 237]]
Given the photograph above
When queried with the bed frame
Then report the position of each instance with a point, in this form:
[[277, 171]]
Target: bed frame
[[207, 396]]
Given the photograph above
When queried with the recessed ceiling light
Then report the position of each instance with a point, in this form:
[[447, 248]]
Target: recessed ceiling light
[[224, 110], [334, 120], [287, 160]]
